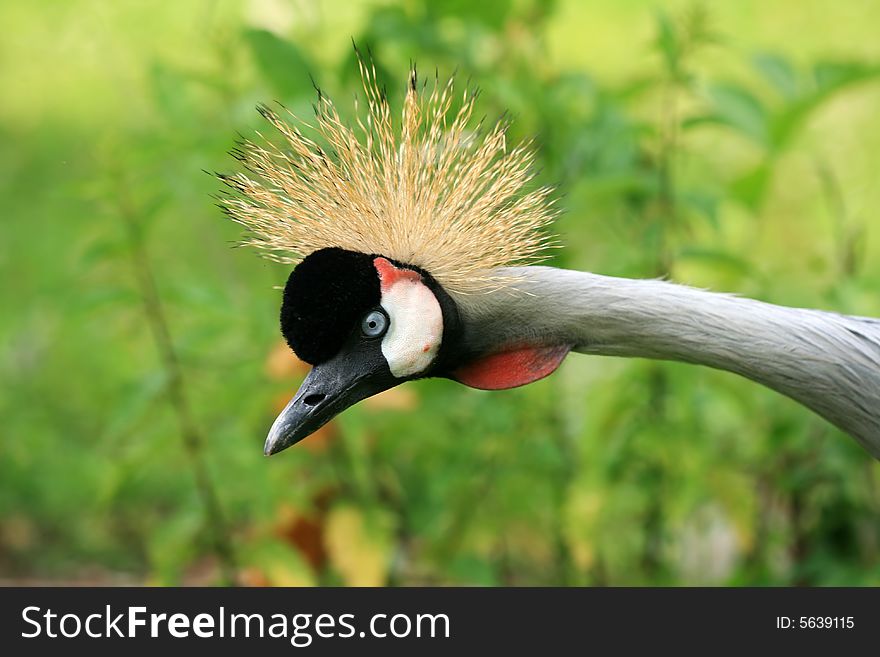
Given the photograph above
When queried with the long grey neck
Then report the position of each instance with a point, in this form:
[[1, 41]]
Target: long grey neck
[[827, 362]]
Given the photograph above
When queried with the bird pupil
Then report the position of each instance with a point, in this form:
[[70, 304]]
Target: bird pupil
[[373, 324]]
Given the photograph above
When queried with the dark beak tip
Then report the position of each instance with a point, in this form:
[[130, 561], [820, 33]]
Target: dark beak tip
[[273, 445], [328, 389]]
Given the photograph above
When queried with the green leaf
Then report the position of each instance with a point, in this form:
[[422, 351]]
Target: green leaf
[[831, 78], [171, 92], [492, 13], [741, 110], [285, 68], [703, 203], [701, 120], [778, 72], [667, 43], [471, 569], [830, 75], [102, 249], [716, 257], [173, 543], [751, 188], [90, 301], [132, 402], [611, 184]]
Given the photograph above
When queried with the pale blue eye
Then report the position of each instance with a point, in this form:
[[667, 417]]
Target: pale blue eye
[[374, 324]]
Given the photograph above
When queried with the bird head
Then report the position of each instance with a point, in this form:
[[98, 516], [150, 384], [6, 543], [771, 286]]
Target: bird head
[[365, 323], [391, 228]]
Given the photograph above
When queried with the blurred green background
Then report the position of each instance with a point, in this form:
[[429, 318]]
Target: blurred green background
[[729, 145]]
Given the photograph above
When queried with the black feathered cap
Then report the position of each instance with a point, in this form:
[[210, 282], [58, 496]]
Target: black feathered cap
[[325, 295]]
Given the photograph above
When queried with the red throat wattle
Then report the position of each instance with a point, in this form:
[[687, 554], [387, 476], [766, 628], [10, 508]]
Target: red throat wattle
[[509, 369]]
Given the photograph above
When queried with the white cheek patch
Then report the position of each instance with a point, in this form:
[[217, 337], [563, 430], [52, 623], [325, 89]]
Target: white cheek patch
[[416, 326]]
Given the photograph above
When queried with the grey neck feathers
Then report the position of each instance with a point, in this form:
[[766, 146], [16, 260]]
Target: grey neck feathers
[[827, 362]]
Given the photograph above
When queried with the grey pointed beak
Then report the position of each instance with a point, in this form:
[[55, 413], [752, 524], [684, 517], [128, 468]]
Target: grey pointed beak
[[299, 418], [329, 389]]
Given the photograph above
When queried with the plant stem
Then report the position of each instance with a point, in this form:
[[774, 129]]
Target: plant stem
[[190, 433], [846, 235]]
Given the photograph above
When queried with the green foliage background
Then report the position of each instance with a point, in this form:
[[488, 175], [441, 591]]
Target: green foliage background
[[729, 145]]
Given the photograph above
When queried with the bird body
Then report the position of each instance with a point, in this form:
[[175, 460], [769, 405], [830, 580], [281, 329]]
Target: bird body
[[415, 256]]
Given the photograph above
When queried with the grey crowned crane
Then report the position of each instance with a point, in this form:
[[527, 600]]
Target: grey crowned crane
[[415, 251]]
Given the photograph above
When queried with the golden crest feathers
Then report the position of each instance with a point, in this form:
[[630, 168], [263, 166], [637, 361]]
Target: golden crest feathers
[[432, 192]]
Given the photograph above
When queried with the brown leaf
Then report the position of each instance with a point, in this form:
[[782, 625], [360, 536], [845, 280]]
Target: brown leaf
[[253, 576], [305, 529]]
